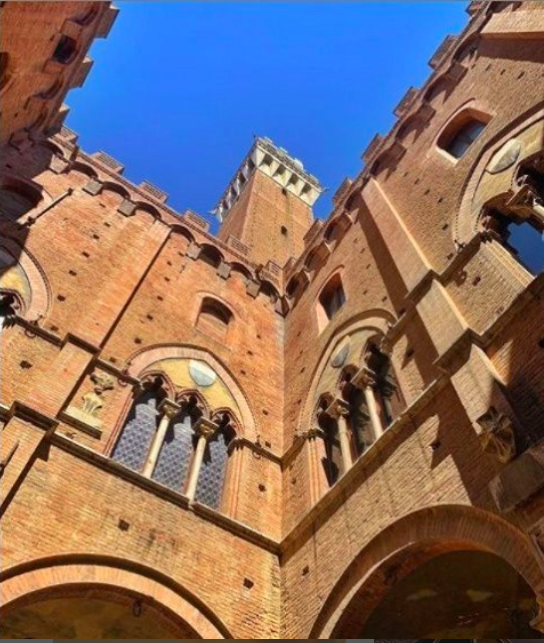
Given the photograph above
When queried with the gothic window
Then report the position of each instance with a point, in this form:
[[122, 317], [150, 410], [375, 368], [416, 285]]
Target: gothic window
[[176, 449], [16, 200], [214, 318], [133, 446], [359, 425], [461, 133], [388, 396], [518, 220], [212, 472], [332, 297], [333, 460], [65, 50]]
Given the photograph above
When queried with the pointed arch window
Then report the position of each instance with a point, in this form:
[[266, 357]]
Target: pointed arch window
[[174, 445], [132, 448], [518, 217], [175, 452], [212, 473], [367, 402]]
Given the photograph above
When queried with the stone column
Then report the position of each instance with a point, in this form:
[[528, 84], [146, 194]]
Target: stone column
[[169, 411], [339, 411], [366, 379], [205, 430]]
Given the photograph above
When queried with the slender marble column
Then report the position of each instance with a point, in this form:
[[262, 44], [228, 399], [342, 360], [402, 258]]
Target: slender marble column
[[169, 411], [205, 430]]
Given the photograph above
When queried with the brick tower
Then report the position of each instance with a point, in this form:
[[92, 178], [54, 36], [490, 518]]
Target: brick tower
[[268, 204]]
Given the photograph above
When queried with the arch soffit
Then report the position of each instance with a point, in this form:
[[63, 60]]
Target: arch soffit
[[140, 361], [375, 320], [466, 223], [10, 179], [459, 527], [48, 574], [40, 299]]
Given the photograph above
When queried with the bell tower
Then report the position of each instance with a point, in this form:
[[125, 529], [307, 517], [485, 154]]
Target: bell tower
[[268, 204]]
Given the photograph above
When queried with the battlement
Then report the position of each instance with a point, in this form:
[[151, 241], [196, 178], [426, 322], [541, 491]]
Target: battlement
[[278, 164]]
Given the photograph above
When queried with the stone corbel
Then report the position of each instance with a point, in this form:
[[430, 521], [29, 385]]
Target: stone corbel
[[127, 208], [193, 250], [282, 306], [93, 187], [253, 288], [223, 270], [58, 165]]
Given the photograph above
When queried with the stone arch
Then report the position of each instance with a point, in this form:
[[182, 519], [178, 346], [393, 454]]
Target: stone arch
[[146, 357], [26, 582], [376, 320], [411, 540], [467, 218], [37, 301], [142, 206], [84, 168], [111, 186]]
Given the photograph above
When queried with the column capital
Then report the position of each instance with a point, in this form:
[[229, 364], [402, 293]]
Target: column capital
[[169, 408], [205, 428], [338, 408], [364, 378]]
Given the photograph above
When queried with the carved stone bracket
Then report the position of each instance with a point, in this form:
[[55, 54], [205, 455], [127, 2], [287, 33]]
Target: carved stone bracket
[[497, 436]]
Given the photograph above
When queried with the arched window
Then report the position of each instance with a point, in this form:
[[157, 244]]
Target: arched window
[[211, 477], [16, 200], [214, 318], [333, 461], [132, 448], [519, 219], [65, 50], [331, 299], [389, 399], [176, 447], [461, 133]]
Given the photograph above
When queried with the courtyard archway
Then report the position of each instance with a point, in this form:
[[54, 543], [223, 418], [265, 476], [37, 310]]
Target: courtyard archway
[[100, 599], [447, 571]]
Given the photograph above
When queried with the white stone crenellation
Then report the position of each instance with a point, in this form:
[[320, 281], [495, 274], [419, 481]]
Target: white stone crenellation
[[276, 163]]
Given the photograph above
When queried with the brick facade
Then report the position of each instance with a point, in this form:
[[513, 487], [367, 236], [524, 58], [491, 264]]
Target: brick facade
[[405, 314]]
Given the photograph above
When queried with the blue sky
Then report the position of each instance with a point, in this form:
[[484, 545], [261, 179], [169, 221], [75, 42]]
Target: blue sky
[[179, 88]]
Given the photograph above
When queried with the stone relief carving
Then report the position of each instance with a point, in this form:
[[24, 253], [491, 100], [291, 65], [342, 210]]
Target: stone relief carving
[[497, 436]]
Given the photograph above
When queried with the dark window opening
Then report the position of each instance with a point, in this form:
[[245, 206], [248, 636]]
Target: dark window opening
[[65, 50], [284, 231], [333, 297], [463, 138]]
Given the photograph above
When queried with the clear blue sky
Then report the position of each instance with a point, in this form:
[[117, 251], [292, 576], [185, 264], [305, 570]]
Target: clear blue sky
[[179, 88]]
